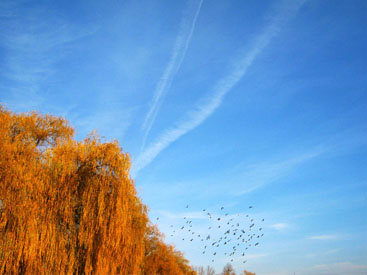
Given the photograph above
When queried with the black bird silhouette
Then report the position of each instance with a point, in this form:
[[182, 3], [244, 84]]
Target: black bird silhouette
[[157, 218], [250, 206], [187, 206], [222, 208]]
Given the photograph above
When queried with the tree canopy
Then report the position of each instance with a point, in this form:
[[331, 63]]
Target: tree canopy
[[70, 207]]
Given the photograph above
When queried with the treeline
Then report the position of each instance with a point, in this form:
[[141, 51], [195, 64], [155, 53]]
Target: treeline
[[227, 270], [70, 207]]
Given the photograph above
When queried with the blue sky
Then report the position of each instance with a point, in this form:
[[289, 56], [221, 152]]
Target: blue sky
[[219, 103]]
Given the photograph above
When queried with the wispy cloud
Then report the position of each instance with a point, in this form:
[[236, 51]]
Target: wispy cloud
[[187, 27], [339, 268], [324, 237], [206, 109], [279, 226], [32, 47], [257, 175]]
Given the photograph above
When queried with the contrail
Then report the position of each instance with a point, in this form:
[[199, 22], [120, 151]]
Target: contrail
[[187, 27], [197, 116]]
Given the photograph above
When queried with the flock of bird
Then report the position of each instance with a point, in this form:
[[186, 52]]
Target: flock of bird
[[226, 235]]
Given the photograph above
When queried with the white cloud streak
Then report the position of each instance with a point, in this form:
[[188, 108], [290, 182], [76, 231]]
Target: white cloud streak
[[205, 110], [279, 226], [324, 237], [186, 31]]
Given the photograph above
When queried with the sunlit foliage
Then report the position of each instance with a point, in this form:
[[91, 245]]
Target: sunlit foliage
[[69, 207], [161, 258]]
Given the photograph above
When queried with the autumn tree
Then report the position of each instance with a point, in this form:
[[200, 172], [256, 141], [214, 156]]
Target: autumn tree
[[228, 270], [245, 272], [69, 207], [160, 258]]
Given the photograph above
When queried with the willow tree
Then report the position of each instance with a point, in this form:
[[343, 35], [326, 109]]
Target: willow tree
[[161, 258], [65, 206]]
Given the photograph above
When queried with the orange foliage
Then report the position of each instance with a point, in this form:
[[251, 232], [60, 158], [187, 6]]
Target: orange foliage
[[161, 258], [69, 207], [248, 273]]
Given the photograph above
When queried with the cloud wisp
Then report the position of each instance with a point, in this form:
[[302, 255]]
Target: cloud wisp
[[32, 48], [324, 237], [203, 111], [182, 42], [279, 226], [338, 268], [257, 175]]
